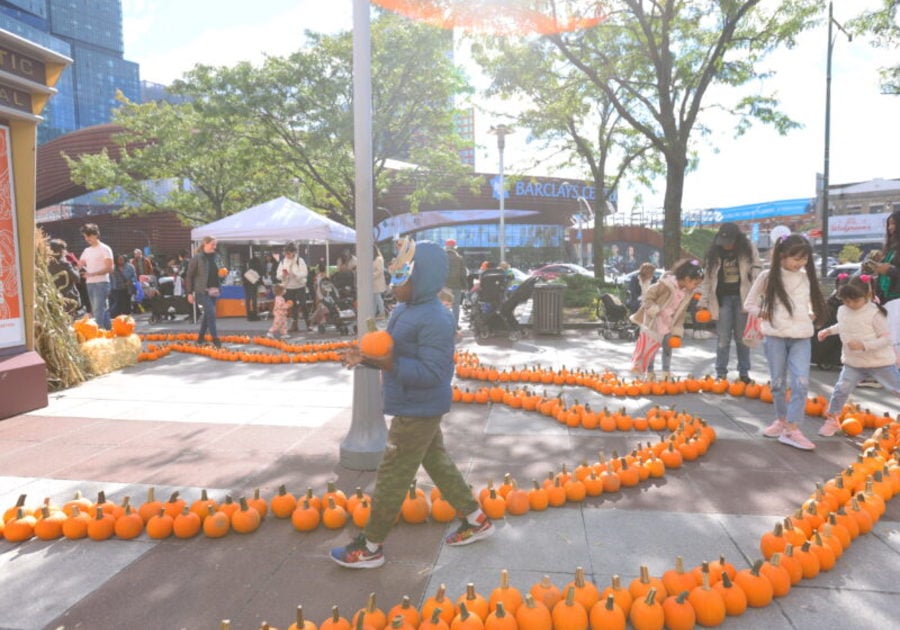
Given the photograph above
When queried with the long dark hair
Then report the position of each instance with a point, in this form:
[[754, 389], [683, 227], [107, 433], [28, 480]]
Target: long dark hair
[[742, 249], [893, 243], [857, 288], [789, 247]]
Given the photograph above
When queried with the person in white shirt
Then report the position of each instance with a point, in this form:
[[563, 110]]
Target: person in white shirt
[[97, 262], [292, 274], [788, 299], [866, 347]]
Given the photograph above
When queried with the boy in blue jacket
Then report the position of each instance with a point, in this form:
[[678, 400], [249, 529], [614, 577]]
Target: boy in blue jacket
[[417, 392]]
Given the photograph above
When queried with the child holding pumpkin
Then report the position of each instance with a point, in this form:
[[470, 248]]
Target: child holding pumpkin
[[416, 385], [787, 299], [867, 348], [280, 309], [662, 313]]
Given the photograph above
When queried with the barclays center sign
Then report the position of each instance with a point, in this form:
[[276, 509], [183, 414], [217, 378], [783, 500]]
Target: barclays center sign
[[545, 190]]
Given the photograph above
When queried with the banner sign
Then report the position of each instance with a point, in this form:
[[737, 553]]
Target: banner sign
[[751, 212], [857, 228], [12, 321], [393, 227]]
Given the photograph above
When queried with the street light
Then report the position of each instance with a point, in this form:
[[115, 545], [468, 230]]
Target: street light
[[583, 221], [501, 131], [825, 168]]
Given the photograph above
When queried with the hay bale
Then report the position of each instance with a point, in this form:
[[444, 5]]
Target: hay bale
[[107, 354]]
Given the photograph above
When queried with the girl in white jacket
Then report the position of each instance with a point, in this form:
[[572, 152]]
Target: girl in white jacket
[[787, 299], [867, 349]]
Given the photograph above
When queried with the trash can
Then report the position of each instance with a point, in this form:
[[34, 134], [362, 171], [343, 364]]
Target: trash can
[[548, 309]]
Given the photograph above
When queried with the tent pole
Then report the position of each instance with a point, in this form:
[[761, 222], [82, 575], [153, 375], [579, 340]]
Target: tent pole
[[366, 439]]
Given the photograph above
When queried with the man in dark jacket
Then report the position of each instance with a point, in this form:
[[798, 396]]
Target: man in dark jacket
[[457, 277], [416, 386]]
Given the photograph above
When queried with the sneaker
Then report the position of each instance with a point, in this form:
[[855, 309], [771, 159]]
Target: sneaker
[[217, 343], [356, 555], [795, 438], [775, 429], [745, 378], [869, 382], [270, 335], [468, 533], [830, 427], [285, 336]]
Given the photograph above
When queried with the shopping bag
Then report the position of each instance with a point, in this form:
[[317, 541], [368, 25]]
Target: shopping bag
[[752, 332]]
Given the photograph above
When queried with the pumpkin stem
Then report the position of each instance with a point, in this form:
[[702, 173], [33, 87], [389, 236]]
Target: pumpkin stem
[[499, 610], [651, 596], [370, 603], [435, 616], [335, 614], [504, 579]]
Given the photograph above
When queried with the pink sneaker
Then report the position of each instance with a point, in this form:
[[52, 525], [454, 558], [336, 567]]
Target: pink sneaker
[[795, 438], [830, 427], [775, 429]]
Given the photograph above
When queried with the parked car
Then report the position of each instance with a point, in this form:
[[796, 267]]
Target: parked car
[[847, 268], [555, 270]]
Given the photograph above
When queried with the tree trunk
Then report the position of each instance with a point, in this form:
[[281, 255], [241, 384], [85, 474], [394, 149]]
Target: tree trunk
[[675, 167]]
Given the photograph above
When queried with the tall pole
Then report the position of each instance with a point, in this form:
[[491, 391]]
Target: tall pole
[[826, 208], [501, 131], [361, 449]]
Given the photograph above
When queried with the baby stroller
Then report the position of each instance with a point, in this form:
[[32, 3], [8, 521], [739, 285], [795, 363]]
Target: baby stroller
[[826, 355], [493, 310], [338, 310], [165, 305], [613, 317]]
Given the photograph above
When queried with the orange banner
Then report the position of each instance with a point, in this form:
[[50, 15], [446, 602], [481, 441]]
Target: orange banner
[[12, 324]]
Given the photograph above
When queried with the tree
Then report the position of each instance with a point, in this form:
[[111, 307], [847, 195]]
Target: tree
[[881, 25], [301, 112], [655, 61], [572, 116], [179, 158]]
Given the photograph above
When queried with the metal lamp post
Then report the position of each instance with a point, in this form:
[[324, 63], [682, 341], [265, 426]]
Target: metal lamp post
[[826, 211], [364, 443], [501, 131]]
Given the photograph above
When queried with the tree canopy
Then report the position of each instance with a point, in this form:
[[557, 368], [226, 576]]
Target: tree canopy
[[655, 61], [244, 134]]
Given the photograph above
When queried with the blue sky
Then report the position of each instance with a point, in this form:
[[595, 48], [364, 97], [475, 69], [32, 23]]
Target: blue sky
[[167, 37]]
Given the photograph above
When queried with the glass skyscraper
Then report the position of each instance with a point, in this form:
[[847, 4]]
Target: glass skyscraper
[[90, 32]]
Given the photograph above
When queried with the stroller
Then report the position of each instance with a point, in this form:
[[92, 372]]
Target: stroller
[[613, 318], [165, 305], [337, 307], [493, 309], [826, 355]]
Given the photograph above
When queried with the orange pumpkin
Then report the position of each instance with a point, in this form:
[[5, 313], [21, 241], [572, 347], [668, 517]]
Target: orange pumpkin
[[376, 343], [702, 316], [123, 325], [223, 271], [86, 328], [674, 341]]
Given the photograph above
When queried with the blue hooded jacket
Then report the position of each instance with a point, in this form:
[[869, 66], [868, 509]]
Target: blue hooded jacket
[[423, 333]]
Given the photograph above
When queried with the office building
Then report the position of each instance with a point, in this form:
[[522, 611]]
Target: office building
[[90, 33]]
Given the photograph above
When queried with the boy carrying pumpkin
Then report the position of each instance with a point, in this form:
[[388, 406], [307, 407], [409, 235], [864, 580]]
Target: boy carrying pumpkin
[[416, 377]]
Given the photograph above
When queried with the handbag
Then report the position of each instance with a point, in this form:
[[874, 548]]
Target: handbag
[[752, 331], [251, 276]]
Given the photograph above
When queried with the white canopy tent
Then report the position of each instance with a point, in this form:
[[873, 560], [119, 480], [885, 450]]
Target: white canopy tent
[[274, 222]]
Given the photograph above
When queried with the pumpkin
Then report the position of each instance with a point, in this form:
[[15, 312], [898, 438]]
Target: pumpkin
[[123, 325], [406, 611], [755, 585], [568, 613], [678, 580], [546, 592], [223, 271], [646, 613], [707, 602], [586, 593], [335, 517], [246, 519], [414, 508], [622, 596], [377, 344], [674, 341], [75, 526], [734, 597], [499, 619], [86, 328], [49, 525], [129, 525], [335, 621], [187, 524], [438, 604], [21, 527], [300, 623], [607, 615], [283, 503], [374, 616], [434, 622], [533, 615], [678, 612], [101, 526], [466, 620], [851, 426], [508, 595], [216, 524], [473, 601], [160, 525], [702, 316]]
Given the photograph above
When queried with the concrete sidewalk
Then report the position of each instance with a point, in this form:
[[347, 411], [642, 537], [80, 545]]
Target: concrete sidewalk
[[187, 423]]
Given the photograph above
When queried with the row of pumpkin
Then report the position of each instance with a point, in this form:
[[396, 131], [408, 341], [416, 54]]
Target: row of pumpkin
[[100, 520]]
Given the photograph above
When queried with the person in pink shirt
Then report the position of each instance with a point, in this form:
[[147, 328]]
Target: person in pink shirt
[[280, 310], [662, 312]]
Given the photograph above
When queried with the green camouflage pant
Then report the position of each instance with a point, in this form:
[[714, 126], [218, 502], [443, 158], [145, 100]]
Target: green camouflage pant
[[411, 442]]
